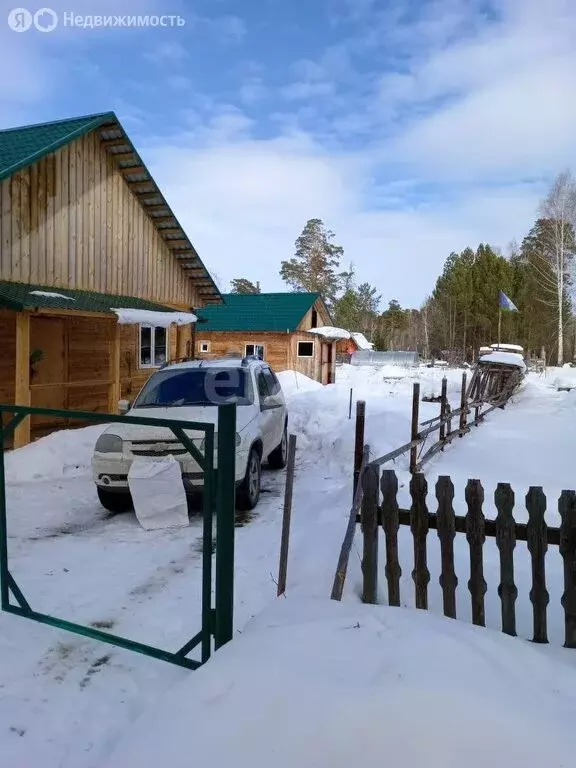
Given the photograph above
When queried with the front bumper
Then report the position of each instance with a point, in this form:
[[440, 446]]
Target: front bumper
[[110, 470]]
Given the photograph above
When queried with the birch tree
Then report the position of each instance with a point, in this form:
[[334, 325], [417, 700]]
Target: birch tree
[[553, 257]]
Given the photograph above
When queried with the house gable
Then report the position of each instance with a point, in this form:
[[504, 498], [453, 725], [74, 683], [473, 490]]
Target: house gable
[[79, 210]]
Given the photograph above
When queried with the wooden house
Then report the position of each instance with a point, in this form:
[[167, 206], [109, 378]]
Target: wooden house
[[274, 326], [84, 230]]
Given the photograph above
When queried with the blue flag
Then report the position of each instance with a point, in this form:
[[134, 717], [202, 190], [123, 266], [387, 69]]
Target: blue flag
[[505, 303]]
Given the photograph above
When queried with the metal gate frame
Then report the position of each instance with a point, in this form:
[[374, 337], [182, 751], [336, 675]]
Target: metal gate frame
[[219, 492]]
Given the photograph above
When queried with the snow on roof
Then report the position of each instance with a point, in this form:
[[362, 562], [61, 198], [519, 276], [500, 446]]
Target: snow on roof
[[148, 317], [504, 358], [329, 332], [318, 683], [507, 347], [361, 341], [51, 295]]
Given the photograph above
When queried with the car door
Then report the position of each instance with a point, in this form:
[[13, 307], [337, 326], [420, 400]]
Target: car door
[[278, 415], [267, 415]]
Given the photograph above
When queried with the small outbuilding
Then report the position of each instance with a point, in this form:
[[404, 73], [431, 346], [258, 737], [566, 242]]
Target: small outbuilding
[[291, 331]]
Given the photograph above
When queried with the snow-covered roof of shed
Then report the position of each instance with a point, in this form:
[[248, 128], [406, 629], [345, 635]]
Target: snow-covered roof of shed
[[505, 358], [361, 340], [329, 332]]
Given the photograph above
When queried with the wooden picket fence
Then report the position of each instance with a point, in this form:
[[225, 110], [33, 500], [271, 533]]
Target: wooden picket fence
[[385, 513]]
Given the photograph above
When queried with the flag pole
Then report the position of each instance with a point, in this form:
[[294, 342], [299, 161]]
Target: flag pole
[[499, 325]]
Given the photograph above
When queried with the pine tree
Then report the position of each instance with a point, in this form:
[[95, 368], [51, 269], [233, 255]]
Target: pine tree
[[242, 285], [314, 266]]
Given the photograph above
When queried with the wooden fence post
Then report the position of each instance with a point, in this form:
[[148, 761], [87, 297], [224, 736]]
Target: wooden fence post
[[567, 509], [446, 522], [391, 523], [415, 425], [419, 526], [370, 534], [350, 405], [463, 408], [475, 536], [358, 441], [287, 515], [443, 401], [506, 542], [537, 541]]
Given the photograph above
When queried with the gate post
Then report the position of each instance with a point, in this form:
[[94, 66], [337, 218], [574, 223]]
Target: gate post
[[225, 508]]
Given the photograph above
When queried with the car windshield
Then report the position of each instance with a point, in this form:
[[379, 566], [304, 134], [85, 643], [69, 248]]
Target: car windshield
[[196, 386]]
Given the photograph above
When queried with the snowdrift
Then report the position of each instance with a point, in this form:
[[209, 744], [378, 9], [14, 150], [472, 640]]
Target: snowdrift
[[319, 683]]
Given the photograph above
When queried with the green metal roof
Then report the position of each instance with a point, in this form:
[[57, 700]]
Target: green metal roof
[[257, 312], [19, 296], [20, 147]]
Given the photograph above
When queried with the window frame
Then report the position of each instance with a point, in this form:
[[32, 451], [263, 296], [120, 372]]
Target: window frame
[[255, 344], [153, 328], [204, 344], [302, 341]]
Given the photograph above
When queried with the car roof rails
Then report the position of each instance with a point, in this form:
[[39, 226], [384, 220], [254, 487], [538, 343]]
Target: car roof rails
[[179, 360], [251, 359]]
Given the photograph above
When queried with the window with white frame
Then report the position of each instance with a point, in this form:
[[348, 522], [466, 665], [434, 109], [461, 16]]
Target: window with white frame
[[305, 349], [254, 349], [153, 345], [204, 346]]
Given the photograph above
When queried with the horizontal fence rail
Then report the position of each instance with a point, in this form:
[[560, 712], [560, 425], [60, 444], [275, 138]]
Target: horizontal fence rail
[[506, 532]]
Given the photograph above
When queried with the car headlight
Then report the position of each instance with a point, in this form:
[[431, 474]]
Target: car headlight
[[202, 443], [109, 444]]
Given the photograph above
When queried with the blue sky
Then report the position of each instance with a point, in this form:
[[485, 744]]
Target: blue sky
[[411, 128]]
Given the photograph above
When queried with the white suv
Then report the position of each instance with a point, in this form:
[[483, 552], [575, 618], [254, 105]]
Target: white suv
[[192, 391]]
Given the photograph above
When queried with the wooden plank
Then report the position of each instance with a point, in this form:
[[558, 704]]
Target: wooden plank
[[22, 381], [60, 243], [567, 510], [390, 523], [107, 143], [16, 224], [99, 262], [25, 225], [537, 539], [72, 202], [419, 527], [506, 542], [108, 256], [132, 169], [463, 404], [369, 482], [6, 241], [286, 517], [89, 203], [50, 215], [81, 277], [64, 256], [114, 366], [414, 427], [443, 404], [475, 536], [446, 521], [34, 227], [358, 442]]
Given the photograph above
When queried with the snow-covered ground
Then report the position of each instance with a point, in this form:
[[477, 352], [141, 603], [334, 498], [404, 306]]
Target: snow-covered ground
[[334, 685], [65, 701]]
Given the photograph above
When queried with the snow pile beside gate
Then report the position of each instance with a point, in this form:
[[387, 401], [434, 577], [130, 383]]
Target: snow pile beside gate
[[319, 683], [61, 454]]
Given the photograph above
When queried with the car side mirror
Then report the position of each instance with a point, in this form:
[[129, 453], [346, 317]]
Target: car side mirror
[[269, 402], [123, 407]]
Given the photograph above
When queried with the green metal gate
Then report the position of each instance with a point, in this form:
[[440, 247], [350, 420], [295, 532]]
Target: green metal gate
[[219, 494]]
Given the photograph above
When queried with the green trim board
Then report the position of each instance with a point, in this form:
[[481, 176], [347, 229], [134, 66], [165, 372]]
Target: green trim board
[[264, 312], [20, 296]]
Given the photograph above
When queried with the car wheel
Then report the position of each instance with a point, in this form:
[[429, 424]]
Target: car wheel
[[248, 491], [114, 501], [279, 456]]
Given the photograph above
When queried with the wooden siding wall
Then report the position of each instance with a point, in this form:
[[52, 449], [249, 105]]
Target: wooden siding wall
[[71, 221], [8, 351], [276, 345], [322, 317]]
